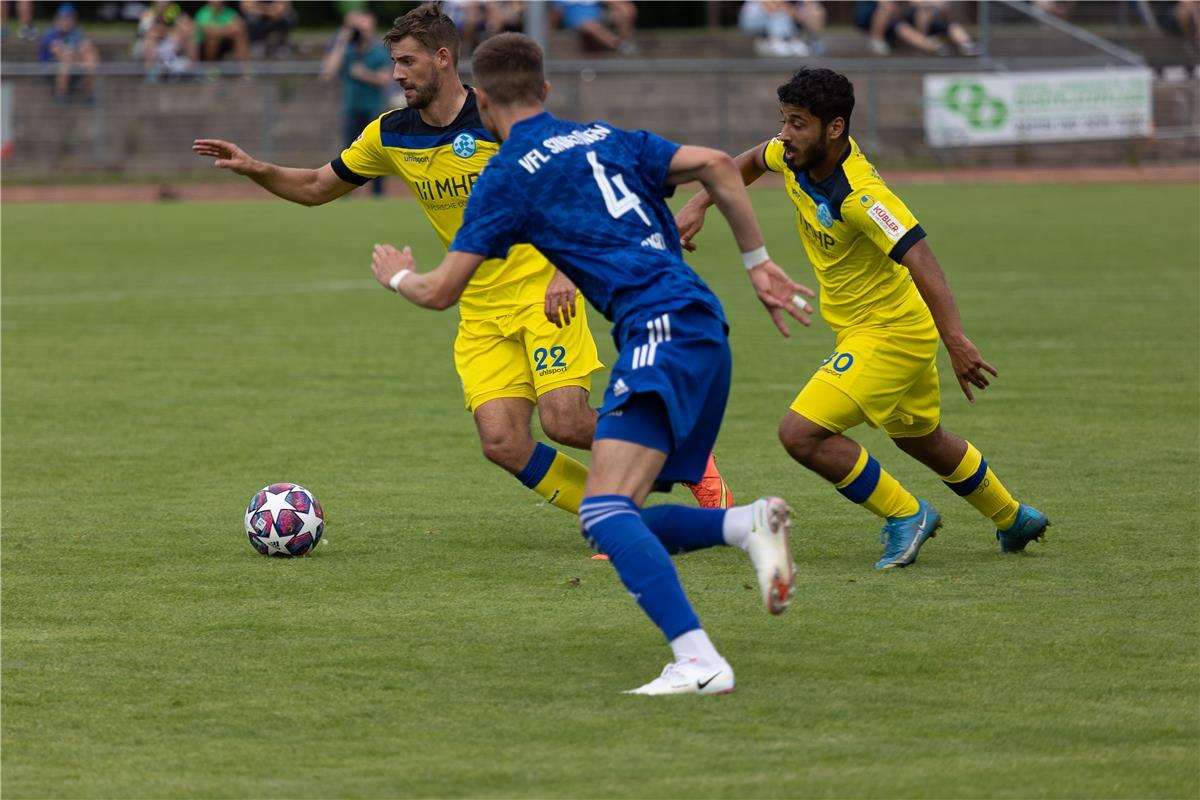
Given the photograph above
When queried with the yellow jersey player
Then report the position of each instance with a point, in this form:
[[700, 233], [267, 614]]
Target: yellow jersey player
[[886, 297], [520, 340]]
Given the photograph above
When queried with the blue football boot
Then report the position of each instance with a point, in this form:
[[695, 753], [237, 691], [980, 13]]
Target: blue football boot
[[1030, 525], [902, 537]]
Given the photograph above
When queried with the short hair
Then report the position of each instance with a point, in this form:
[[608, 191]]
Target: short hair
[[508, 67], [428, 25], [826, 94]]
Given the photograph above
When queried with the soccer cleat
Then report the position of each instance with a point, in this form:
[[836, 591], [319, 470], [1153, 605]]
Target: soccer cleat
[[770, 554], [902, 537], [1030, 525], [711, 491], [690, 677]]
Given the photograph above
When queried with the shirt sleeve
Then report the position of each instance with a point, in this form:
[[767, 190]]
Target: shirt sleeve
[[494, 219], [773, 156], [364, 159], [884, 219], [654, 155]]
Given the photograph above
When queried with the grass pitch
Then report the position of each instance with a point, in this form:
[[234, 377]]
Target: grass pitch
[[452, 638]]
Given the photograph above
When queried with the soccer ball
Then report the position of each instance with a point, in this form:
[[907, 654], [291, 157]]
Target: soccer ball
[[285, 520]]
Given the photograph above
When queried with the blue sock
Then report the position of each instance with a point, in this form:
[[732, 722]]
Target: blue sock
[[613, 526], [682, 529]]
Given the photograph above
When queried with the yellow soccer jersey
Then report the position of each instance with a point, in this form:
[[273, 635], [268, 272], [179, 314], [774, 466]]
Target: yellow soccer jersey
[[440, 166], [855, 231]]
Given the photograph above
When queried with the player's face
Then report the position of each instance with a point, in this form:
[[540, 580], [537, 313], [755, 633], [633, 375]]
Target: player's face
[[415, 69], [805, 139]]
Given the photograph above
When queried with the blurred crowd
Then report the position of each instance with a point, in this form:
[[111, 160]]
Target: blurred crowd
[[172, 42]]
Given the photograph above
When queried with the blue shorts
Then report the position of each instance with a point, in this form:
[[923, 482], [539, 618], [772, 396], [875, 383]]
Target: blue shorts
[[678, 368], [576, 14]]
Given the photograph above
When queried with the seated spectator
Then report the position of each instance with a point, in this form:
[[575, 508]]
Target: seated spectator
[[931, 19], [884, 23], [74, 53], [1059, 8], [26, 29], [476, 20], [1187, 19], [220, 31], [166, 42], [268, 23], [591, 18], [776, 23]]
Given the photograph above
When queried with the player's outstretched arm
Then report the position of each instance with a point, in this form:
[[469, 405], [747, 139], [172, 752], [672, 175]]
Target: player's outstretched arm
[[309, 187], [690, 218], [927, 274], [438, 289], [722, 179]]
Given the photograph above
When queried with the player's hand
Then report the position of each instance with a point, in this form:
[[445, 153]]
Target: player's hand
[[779, 293], [969, 366], [560, 299], [387, 261], [689, 220], [227, 154]]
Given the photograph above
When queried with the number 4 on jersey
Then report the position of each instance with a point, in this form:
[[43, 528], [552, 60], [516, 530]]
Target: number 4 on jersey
[[617, 207]]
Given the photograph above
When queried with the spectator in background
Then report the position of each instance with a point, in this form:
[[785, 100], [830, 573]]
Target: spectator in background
[[884, 23], [476, 20], [931, 18], [220, 31], [364, 65], [268, 23], [166, 42], [591, 20], [26, 29], [1187, 18], [74, 53], [778, 23]]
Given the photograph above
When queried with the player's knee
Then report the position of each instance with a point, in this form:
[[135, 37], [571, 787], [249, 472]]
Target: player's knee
[[505, 450], [573, 428], [798, 444]]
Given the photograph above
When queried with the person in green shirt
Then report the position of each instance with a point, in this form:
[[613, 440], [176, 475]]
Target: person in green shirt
[[221, 31]]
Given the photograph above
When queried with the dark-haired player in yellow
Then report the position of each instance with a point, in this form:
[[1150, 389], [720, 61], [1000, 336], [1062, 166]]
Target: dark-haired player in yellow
[[513, 350], [885, 295]]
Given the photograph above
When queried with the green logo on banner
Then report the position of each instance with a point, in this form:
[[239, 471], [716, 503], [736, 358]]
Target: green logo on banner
[[972, 101]]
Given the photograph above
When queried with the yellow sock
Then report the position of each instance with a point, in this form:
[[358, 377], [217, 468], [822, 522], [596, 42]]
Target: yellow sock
[[974, 481], [869, 485], [556, 477]]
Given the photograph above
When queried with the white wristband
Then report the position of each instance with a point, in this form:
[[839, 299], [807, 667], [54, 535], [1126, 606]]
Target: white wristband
[[399, 276], [755, 257]]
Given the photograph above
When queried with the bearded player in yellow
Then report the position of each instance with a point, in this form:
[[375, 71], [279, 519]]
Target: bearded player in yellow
[[885, 295], [520, 340]]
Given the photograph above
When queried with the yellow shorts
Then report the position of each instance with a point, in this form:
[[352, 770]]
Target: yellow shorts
[[523, 354], [886, 377]]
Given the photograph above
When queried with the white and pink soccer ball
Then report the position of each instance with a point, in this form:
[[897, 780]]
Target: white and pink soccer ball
[[284, 520]]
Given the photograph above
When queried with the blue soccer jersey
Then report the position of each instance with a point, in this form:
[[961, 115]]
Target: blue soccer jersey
[[591, 199]]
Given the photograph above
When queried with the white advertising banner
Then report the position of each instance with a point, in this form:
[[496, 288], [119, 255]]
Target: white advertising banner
[[988, 108]]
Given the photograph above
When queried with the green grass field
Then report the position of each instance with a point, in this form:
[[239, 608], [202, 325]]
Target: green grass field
[[452, 638]]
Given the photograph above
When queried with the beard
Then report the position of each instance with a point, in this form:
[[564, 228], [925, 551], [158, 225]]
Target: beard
[[423, 95], [810, 158]]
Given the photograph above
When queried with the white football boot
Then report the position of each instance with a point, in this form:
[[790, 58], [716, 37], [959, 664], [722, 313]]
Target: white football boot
[[770, 554], [690, 677]]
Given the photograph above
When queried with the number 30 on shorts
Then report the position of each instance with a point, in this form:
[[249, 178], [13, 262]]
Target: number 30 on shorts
[[839, 362], [558, 353]]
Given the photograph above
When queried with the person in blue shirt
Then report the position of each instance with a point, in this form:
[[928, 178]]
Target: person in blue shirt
[[591, 198]]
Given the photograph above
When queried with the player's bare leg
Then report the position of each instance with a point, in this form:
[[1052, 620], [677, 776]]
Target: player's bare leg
[[566, 416], [504, 430], [909, 522], [964, 470]]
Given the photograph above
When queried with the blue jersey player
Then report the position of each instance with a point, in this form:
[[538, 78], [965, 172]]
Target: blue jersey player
[[590, 197]]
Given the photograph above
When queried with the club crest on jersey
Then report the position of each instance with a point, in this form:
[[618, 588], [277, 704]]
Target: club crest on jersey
[[866, 201], [464, 145], [824, 215]]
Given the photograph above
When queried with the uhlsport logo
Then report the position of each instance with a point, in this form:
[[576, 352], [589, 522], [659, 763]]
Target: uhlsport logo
[[464, 145], [977, 107], [824, 215]]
